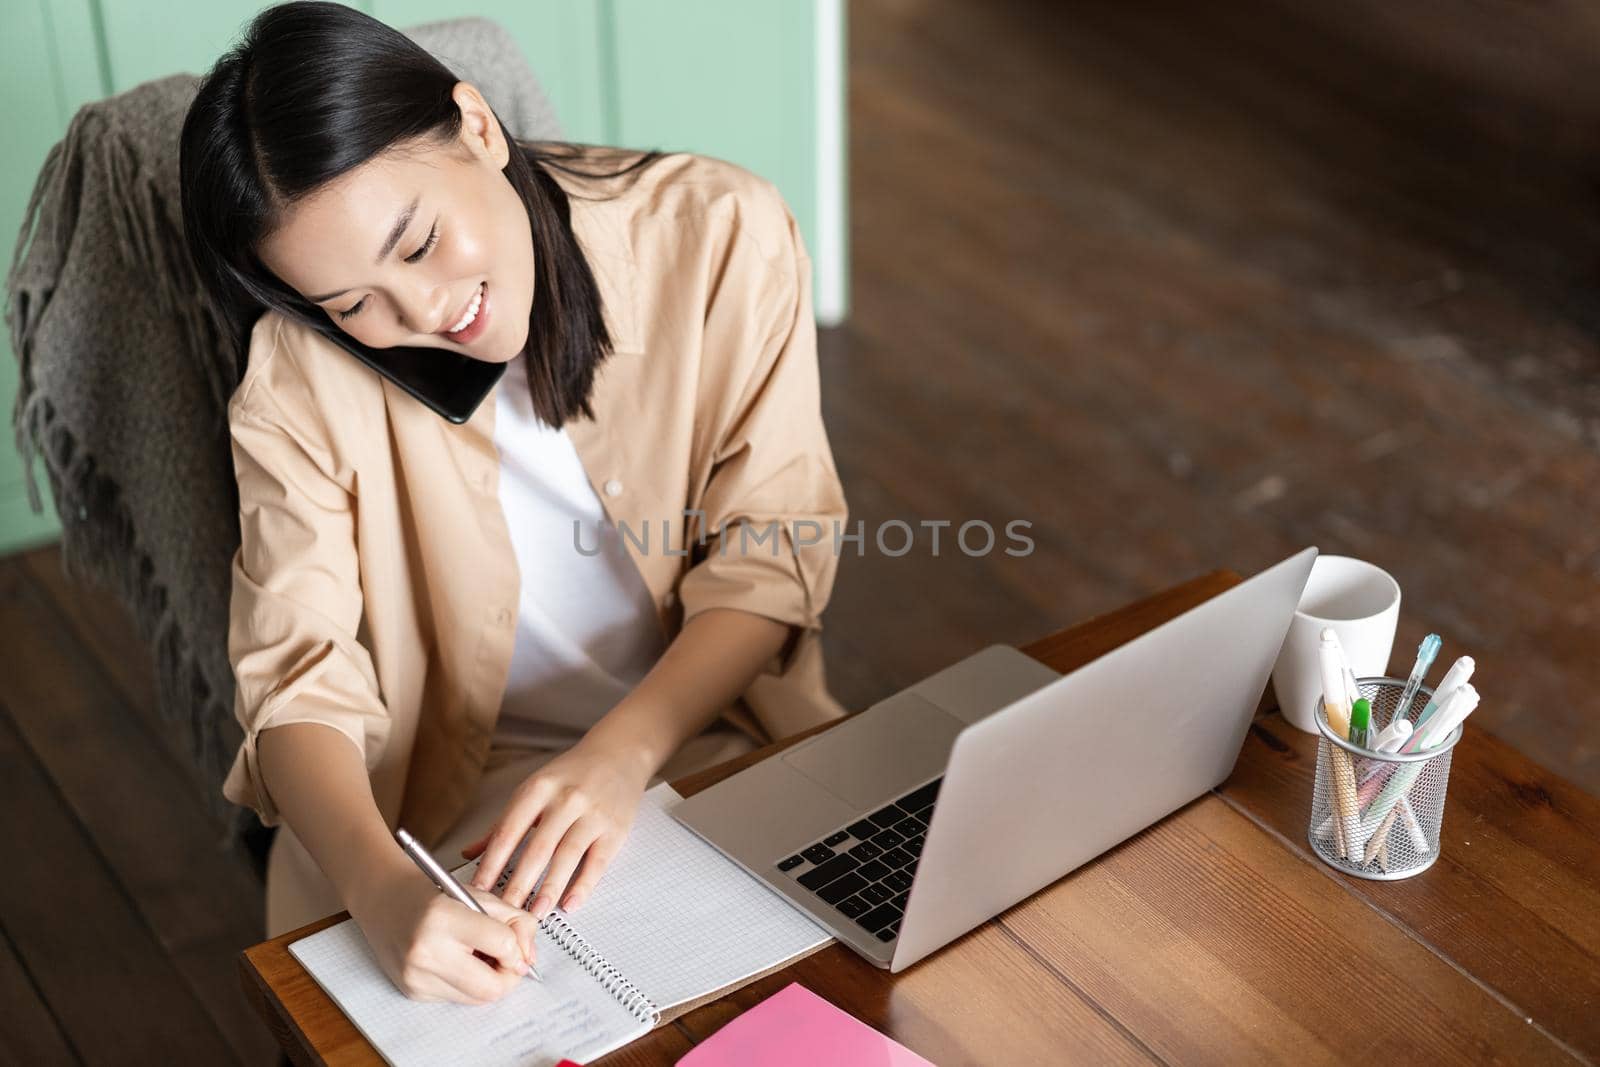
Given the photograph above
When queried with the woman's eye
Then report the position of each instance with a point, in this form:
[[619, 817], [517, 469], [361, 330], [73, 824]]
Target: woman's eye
[[433, 236], [427, 246]]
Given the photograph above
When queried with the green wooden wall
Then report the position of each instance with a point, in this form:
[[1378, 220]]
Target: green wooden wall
[[758, 82]]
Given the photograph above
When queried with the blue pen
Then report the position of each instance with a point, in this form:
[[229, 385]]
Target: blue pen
[[1425, 656]]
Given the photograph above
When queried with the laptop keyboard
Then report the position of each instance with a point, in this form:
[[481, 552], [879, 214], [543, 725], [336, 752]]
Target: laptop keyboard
[[864, 870]]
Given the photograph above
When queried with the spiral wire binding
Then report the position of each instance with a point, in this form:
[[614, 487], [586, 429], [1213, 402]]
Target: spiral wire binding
[[612, 980], [589, 958]]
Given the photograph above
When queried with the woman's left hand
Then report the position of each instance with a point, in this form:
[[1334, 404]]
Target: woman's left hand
[[580, 806]]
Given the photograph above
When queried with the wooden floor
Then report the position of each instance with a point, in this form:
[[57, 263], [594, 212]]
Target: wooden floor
[[1197, 285], [1184, 287]]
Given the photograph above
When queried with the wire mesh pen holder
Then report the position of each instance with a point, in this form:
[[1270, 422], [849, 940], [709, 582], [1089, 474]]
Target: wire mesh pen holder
[[1377, 815]]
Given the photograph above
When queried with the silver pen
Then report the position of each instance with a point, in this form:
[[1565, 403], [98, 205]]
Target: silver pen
[[444, 879]]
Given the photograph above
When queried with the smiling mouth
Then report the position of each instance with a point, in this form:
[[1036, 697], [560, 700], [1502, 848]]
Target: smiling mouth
[[470, 314]]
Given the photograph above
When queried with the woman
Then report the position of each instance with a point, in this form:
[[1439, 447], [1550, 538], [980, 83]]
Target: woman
[[495, 633]]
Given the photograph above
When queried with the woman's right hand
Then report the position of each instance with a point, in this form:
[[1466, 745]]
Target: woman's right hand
[[424, 940]]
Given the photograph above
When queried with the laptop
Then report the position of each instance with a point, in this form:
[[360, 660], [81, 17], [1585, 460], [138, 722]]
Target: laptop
[[931, 812]]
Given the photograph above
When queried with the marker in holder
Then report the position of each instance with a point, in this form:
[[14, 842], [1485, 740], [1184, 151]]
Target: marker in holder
[[1377, 814]]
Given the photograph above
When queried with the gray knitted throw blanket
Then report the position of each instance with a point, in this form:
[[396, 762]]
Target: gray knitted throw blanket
[[125, 372]]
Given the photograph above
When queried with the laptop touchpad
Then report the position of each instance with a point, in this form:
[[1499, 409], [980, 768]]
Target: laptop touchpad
[[881, 753]]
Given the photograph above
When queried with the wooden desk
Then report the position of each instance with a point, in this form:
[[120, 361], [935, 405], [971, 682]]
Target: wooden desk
[[1212, 936]]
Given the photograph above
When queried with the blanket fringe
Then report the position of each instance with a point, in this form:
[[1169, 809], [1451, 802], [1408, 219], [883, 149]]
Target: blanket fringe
[[99, 543], [98, 546]]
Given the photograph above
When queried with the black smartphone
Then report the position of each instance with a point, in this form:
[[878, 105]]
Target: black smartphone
[[449, 383]]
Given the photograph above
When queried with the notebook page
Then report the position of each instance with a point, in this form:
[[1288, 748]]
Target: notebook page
[[680, 919], [569, 1015]]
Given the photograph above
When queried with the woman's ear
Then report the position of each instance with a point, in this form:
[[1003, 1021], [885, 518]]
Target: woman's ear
[[480, 129]]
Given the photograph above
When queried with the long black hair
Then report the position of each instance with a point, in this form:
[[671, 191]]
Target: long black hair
[[312, 91]]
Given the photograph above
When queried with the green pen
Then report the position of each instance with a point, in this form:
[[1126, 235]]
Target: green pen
[[1361, 723]]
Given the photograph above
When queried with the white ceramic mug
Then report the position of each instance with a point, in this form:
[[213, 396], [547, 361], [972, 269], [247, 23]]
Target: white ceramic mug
[[1362, 604]]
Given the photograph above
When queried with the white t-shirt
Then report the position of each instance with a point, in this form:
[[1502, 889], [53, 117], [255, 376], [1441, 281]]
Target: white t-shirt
[[587, 631]]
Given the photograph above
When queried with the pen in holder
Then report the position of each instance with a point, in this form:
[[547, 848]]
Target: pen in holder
[[1377, 814]]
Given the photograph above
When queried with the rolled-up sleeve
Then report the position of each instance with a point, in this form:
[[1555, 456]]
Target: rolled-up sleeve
[[773, 504], [296, 604]]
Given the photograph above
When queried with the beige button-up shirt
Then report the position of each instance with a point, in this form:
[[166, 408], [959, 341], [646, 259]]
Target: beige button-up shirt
[[375, 589]]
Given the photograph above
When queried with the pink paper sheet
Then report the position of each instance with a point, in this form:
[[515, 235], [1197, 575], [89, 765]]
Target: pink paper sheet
[[796, 1028]]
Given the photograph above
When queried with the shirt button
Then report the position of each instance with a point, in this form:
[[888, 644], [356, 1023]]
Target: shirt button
[[613, 488]]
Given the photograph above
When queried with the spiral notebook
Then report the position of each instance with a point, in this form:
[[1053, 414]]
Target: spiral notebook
[[671, 925]]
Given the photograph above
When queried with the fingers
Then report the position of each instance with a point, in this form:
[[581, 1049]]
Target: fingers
[[595, 861], [509, 830], [477, 978], [579, 836], [523, 925], [477, 982], [559, 833], [554, 822], [445, 965]]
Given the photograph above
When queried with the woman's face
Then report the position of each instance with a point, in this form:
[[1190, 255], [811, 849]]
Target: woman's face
[[406, 247]]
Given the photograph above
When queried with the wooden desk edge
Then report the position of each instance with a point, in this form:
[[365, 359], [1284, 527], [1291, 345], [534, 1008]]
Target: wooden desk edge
[[267, 969]]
